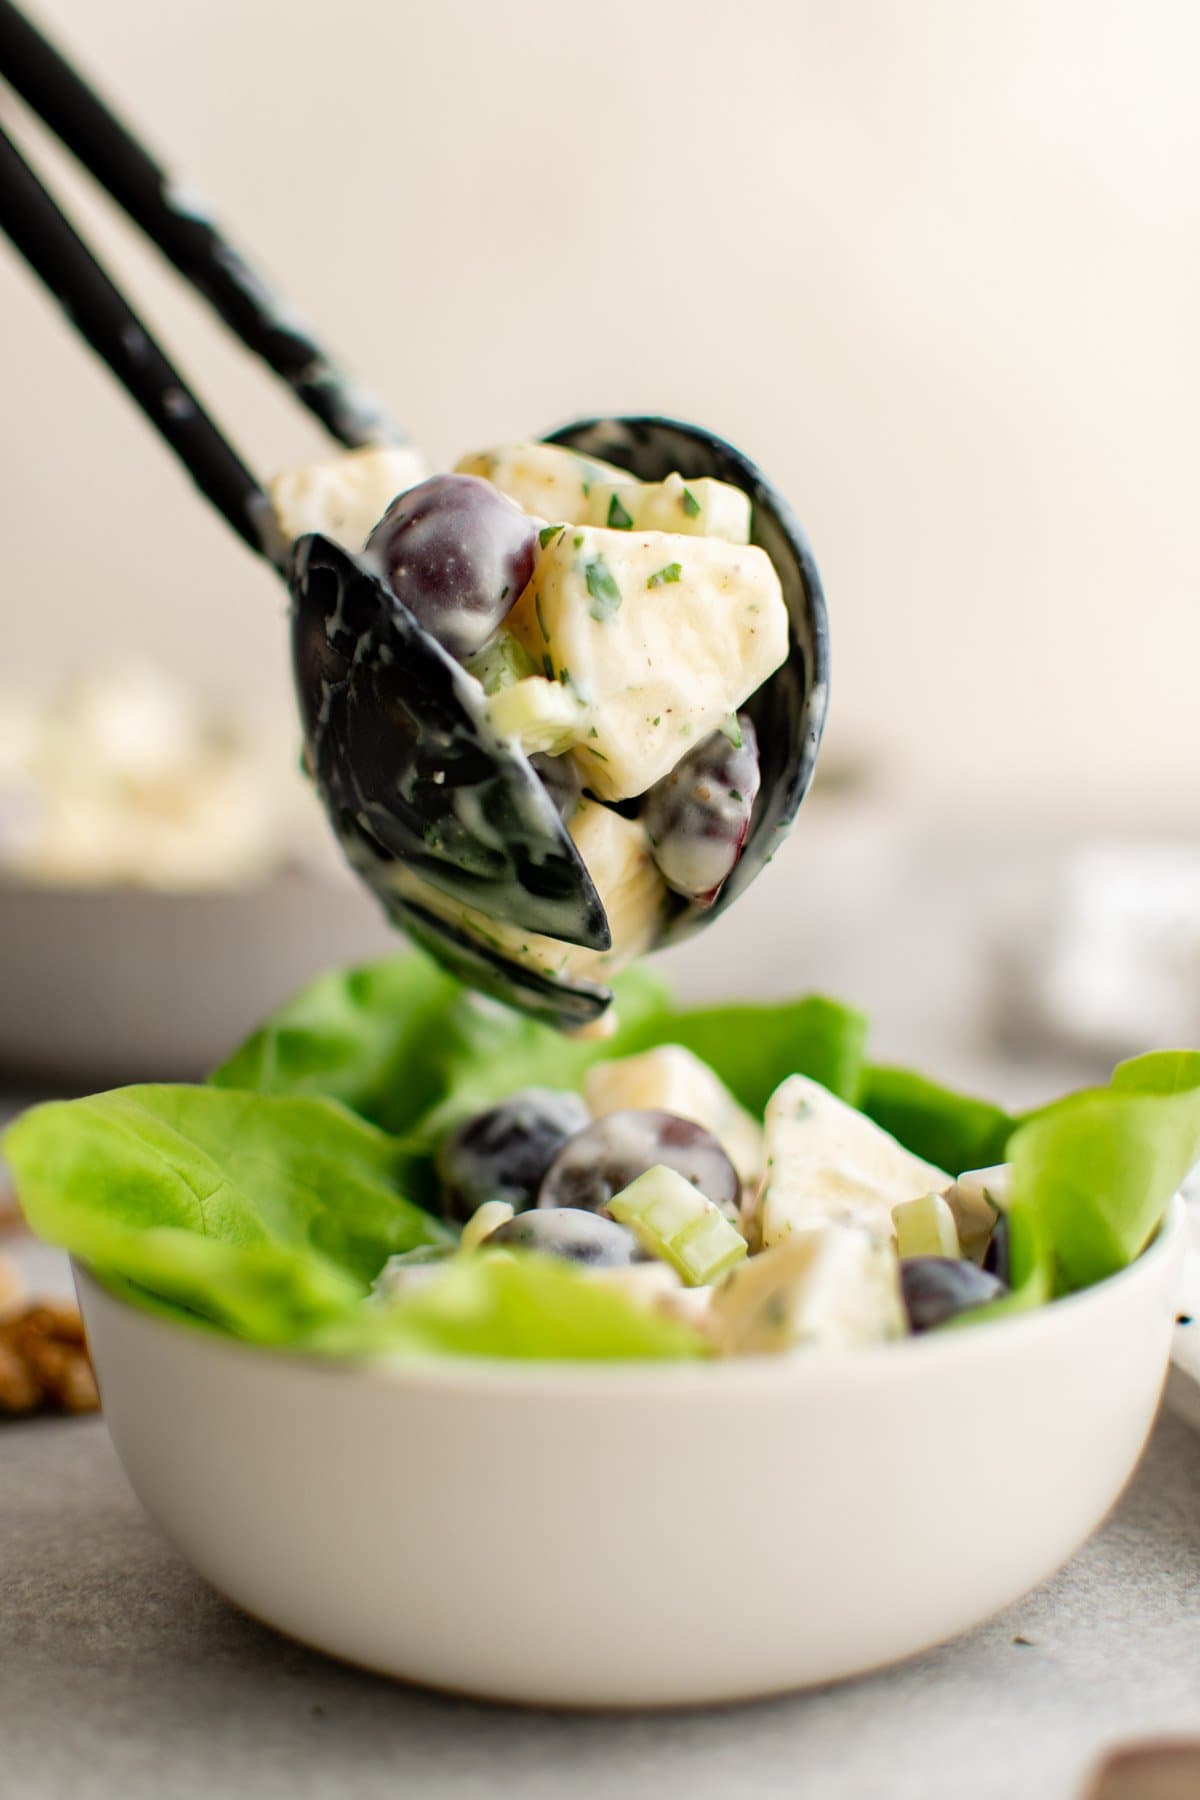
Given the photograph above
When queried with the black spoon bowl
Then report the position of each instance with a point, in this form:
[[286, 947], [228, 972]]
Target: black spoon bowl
[[436, 813]]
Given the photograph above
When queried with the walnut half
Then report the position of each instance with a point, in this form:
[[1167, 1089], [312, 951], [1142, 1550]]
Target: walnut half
[[44, 1363]]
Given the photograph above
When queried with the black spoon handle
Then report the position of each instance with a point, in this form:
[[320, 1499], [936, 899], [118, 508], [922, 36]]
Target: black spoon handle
[[100, 313], [184, 233]]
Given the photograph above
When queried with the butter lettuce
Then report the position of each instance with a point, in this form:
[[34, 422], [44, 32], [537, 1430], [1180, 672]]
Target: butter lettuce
[[265, 1214], [525, 1308], [1098, 1168], [952, 1130], [484, 1051], [265, 1202], [754, 1048], [408, 1048], [367, 1037], [270, 1216]]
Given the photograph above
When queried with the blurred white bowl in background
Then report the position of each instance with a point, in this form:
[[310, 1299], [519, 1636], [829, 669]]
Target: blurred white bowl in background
[[166, 879], [104, 985]]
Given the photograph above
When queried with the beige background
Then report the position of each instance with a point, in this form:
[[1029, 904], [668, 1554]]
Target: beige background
[[936, 266]]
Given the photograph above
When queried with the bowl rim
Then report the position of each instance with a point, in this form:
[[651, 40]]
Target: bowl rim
[[895, 1360]]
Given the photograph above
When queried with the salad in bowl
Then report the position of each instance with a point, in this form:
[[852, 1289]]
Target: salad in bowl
[[705, 1361], [395, 1167]]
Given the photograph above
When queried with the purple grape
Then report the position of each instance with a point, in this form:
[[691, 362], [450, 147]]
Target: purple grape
[[697, 817], [582, 1237], [457, 553], [503, 1153], [937, 1288], [597, 1163]]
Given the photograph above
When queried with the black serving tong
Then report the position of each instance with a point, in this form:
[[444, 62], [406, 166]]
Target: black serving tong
[[413, 779], [423, 700]]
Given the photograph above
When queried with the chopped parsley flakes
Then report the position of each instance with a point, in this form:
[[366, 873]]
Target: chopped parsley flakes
[[661, 577], [541, 617], [618, 518], [548, 532], [602, 586], [691, 505]]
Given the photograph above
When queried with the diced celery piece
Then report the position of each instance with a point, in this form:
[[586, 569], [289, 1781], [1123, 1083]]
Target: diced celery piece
[[925, 1227], [673, 1220], [977, 1199], [483, 1221], [542, 715], [501, 663]]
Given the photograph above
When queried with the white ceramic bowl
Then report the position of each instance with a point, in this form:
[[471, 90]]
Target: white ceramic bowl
[[632, 1536]]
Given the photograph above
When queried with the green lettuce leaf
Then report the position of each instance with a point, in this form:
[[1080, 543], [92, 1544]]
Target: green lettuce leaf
[[490, 1052], [754, 1048], [363, 1036], [405, 1046], [1097, 1169], [486, 1052], [268, 1215], [522, 1307], [954, 1131]]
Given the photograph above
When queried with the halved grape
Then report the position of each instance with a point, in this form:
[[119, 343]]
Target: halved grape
[[457, 553], [612, 1152], [937, 1288], [697, 817], [583, 1237], [503, 1153]]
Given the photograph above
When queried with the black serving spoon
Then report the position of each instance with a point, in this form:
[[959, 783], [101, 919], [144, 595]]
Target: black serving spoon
[[372, 737], [417, 786]]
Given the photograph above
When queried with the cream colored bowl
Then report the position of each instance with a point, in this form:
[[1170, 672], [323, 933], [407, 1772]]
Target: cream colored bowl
[[633, 1536], [108, 985]]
